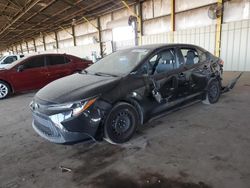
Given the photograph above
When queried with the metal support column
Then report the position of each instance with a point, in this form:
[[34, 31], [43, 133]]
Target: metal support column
[[21, 47], [34, 43], [16, 49], [74, 35], [100, 35], [44, 44], [57, 43], [172, 20], [98, 28], [218, 30], [139, 22], [27, 46]]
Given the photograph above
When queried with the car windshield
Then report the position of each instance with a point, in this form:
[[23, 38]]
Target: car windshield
[[1, 58], [118, 63]]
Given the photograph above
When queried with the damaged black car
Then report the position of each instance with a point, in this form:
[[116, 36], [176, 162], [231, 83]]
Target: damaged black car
[[122, 91]]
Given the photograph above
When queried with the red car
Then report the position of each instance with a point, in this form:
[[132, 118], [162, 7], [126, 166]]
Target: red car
[[34, 72]]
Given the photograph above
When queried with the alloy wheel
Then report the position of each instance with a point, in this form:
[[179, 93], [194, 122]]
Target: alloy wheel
[[3, 90]]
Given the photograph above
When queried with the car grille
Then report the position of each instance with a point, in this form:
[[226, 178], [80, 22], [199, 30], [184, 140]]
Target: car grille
[[45, 126]]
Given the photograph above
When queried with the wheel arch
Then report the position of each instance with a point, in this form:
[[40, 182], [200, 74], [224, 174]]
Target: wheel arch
[[137, 106], [9, 84], [108, 106]]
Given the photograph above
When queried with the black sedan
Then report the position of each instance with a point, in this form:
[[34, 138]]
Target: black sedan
[[122, 91]]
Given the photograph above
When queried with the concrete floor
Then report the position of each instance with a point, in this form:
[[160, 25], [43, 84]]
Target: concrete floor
[[199, 146]]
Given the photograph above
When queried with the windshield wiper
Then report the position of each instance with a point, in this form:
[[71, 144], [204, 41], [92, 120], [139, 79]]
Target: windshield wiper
[[104, 74]]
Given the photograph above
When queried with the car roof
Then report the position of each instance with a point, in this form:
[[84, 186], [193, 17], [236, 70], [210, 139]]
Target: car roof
[[47, 54], [157, 46]]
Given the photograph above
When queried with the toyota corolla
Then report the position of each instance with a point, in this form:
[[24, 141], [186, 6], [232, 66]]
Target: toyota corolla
[[122, 91]]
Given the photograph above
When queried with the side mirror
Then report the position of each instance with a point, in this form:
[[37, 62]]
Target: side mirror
[[20, 68]]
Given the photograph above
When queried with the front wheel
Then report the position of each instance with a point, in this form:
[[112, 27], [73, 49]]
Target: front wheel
[[4, 90], [213, 92], [121, 123]]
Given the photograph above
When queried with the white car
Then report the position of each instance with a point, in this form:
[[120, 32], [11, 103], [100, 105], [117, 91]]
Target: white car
[[8, 59]]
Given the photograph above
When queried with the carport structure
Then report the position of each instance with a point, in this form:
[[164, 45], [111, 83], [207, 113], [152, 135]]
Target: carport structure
[[22, 20], [87, 28], [199, 146]]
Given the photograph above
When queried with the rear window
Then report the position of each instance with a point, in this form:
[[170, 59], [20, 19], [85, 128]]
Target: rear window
[[78, 59], [191, 56], [56, 60]]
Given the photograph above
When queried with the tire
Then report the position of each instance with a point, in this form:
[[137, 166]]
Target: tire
[[121, 123], [4, 90], [213, 92]]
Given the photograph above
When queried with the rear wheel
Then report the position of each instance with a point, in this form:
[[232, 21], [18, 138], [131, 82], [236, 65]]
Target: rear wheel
[[213, 92], [4, 90], [121, 123]]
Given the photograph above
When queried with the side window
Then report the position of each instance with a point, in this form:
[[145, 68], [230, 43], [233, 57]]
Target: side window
[[10, 59], [21, 56], [34, 62], [162, 62], [190, 55], [56, 60], [202, 55]]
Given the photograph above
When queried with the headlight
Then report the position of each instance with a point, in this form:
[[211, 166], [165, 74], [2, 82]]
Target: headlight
[[78, 108], [69, 110]]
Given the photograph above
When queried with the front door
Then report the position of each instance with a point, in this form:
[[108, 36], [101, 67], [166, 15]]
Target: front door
[[32, 75], [165, 74], [163, 79]]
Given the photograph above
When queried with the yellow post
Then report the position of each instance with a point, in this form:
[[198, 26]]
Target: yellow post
[[218, 31], [172, 20]]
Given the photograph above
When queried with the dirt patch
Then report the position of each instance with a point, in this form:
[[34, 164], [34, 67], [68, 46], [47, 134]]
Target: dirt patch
[[99, 157], [149, 180]]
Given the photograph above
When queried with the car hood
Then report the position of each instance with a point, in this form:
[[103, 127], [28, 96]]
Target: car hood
[[76, 87]]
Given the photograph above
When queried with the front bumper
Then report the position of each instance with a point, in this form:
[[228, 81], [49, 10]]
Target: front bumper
[[48, 130]]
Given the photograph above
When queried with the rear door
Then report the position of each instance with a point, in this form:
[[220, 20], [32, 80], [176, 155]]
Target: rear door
[[32, 76], [58, 67], [194, 62]]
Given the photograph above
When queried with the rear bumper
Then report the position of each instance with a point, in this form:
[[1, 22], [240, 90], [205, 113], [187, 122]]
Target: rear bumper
[[48, 130]]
